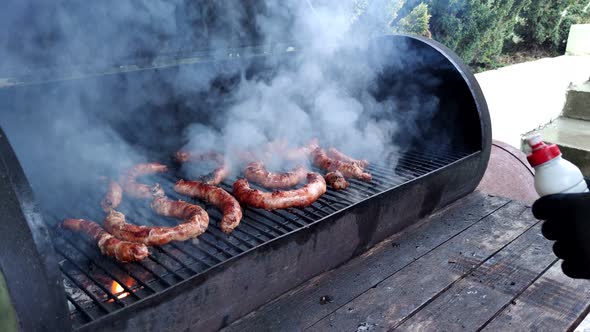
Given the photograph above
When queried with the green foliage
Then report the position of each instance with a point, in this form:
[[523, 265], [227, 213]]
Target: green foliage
[[416, 22], [546, 23], [478, 30], [475, 29]]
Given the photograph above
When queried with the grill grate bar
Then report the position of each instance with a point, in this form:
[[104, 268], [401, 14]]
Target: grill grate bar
[[182, 248], [261, 213], [235, 232], [415, 165], [91, 278], [421, 161], [213, 245], [169, 270], [246, 220], [383, 174], [335, 197], [79, 308], [91, 295], [287, 214], [103, 268], [106, 269], [174, 245], [220, 236], [118, 280], [165, 250]]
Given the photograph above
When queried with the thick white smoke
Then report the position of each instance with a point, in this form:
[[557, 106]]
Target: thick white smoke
[[319, 91], [317, 83]]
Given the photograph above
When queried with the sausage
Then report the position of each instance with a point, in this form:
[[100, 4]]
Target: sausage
[[280, 148], [113, 196], [139, 190], [232, 212], [336, 180], [195, 221], [304, 196], [257, 173], [123, 251], [337, 155], [349, 170], [218, 175], [299, 153]]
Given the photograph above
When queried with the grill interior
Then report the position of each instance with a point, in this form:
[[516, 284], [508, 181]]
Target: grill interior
[[96, 285]]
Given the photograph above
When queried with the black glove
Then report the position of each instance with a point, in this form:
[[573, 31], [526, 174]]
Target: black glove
[[568, 223]]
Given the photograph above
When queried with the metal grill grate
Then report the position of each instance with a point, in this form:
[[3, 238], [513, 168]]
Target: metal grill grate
[[97, 285]]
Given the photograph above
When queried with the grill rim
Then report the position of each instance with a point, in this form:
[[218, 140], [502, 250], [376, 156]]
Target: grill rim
[[29, 236]]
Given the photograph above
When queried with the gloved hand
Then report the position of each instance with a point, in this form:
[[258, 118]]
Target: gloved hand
[[567, 221]]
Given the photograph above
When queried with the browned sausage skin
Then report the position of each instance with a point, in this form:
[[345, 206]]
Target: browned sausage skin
[[113, 196], [337, 155], [232, 212], [139, 190], [256, 172], [195, 221], [349, 170], [304, 196], [336, 180], [218, 175], [122, 251]]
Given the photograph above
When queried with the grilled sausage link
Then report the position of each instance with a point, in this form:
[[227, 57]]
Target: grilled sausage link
[[113, 196], [304, 196], [257, 173], [337, 155], [139, 190], [195, 223], [336, 180], [349, 170], [232, 212], [301, 153], [123, 251], [218, 175]]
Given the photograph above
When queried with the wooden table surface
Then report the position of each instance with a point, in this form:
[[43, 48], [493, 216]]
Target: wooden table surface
[[480, 264]]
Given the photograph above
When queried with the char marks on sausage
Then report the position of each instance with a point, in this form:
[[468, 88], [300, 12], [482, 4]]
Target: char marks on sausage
[[218, 175], [337, 155], [123, 251], [349, 170], [136, 189], [301, 197], [195, 221], [256, 172], [336, 180], [232, 212], [113, 196]]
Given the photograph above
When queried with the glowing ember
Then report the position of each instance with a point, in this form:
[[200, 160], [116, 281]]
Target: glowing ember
[[118, 290]]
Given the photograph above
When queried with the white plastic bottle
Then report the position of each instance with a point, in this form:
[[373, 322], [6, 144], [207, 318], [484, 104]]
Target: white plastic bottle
[[553, 174]]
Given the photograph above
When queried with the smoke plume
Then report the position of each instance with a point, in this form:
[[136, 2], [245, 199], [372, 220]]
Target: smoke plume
[[317, 80]]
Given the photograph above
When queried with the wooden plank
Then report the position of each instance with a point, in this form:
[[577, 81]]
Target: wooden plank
[[470, 302], [398, 296], [302, 307], [554, 302]]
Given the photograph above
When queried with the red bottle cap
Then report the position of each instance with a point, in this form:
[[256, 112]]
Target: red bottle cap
[[541, 152]]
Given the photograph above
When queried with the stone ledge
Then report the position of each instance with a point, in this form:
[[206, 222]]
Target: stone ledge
[[577, 40], [577, 104]]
